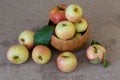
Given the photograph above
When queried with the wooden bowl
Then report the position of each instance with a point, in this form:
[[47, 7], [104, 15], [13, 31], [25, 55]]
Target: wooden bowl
[[69, 45]]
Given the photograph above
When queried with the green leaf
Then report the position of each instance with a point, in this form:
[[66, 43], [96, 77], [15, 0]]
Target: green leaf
[[43, 36], [96, 61], [105, 62], [95, 43]]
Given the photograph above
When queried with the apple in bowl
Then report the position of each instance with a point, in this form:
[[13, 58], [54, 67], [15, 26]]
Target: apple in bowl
[[65, 30], [73, 13], [70, 44], [57, 13]]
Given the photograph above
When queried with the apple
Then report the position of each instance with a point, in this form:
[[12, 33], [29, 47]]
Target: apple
[[17, 54], [73, 13], [67, 62], [95, 53], [65, 30], [81, 26], [26, 38], [77, 35], [41, 54], [57, 13]]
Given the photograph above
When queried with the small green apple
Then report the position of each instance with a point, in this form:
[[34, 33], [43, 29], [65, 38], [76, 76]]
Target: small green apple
[[77, 35], [26, 38], [17, 54], [81, 26]]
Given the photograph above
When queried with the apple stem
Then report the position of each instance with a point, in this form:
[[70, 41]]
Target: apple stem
[[64, 24], [95, 49], [75, 9], [65, 56], [15, 57], [60, 8], [40, 58], [22, 40]]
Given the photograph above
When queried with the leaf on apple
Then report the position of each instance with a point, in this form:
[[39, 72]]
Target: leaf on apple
[[105, 62], [96, 61], [43, 36]]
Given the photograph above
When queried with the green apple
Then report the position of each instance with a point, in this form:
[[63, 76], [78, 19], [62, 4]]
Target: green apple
[[77, 35], [73, 13], [67, 62], [17, 54], [26, 38], [41, 54], [81, 26], [65, 30]]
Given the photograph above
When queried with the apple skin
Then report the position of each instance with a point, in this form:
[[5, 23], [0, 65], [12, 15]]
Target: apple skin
[[67, 62], [41, 54], [81, 26], [77, 35], [73, 13], [65, 30], [57, 13], [17, 54], [93, 55], [26, 38]]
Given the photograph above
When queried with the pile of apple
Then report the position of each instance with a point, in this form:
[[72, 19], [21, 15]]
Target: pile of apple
[[69, 21], [69, 24]]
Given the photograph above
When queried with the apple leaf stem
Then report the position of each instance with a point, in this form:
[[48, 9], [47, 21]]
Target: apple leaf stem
[[95, 43], [105, 62]]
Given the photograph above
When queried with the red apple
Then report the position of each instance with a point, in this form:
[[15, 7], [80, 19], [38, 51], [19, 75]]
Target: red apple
[[41, 54], [67, 62], [95, 53], [57, 13]]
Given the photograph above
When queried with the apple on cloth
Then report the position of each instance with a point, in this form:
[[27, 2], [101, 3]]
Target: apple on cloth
[[81, 25], [67, 62], [17, 54], [26, 38], [96, 53], [41, 54]]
